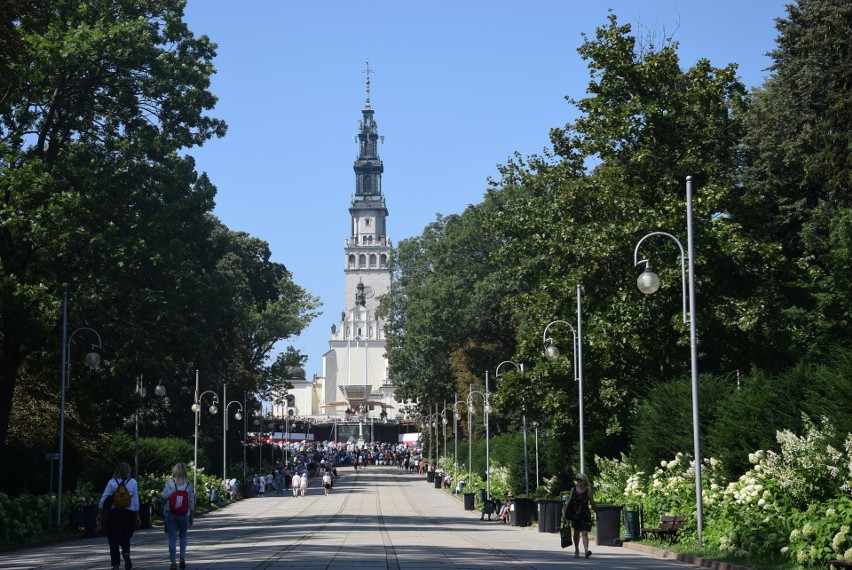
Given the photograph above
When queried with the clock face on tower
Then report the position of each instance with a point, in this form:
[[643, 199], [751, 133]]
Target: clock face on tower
[[368, 292]]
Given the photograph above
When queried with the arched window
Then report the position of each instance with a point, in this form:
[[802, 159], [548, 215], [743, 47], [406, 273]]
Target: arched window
[[368, 183], [384, 260], [372, 260], [352, 262], [362, 260]]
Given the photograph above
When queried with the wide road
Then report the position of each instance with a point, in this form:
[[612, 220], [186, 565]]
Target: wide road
[[374, 518]]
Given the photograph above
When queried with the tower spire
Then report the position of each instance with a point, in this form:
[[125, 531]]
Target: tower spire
[[367, 103]]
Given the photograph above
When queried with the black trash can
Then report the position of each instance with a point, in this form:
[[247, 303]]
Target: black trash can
[[248, 490], [549, 515], [521, 511], [430, 476], [439, 480], [468, 501], [145, 515], [480, 496], [608, 525], [631, 522], [90, 514]]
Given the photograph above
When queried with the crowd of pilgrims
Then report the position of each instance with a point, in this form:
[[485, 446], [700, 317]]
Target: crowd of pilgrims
[[302, 460]]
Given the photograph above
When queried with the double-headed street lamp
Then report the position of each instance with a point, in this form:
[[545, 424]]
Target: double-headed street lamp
[[551, 352], [443, 424], [238, 416], [648, 282], [467, 405], [92, 360], [520, 368], [160, 391], [486, 406], [196, 408]]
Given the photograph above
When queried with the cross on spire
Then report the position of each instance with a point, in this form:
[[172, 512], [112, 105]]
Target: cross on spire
[[368, 71]]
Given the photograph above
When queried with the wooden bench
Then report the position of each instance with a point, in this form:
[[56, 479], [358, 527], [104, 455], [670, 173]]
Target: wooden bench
[[669, 527]]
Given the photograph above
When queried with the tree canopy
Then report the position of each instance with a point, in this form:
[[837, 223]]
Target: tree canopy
[[489, 280], [100, 103]]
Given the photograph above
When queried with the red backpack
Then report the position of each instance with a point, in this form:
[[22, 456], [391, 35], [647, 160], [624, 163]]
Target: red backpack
[[179, 500]]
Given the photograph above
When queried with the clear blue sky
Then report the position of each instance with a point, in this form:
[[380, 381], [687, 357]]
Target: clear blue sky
[[457, 88]]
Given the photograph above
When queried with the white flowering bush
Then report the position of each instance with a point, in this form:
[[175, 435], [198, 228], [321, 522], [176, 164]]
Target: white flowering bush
[[792, 505], [618, 481]]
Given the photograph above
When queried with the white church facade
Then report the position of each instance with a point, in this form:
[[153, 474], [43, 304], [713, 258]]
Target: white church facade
[[354, 387]]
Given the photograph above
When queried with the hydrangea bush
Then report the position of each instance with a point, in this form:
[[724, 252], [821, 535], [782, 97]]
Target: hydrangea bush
[[793, 505]]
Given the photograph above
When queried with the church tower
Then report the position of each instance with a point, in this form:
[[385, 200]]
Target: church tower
[[355, 367]]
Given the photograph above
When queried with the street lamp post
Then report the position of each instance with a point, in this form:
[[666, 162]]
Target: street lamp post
[[467, 404], [160, 391], [238, 416], [535, 427], [551, 352], [92, 360], [520, 368], [486, 406], [196, 407], [648, 282]]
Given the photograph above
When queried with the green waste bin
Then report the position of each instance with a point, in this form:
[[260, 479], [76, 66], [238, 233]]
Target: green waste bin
[[480, 496], [608, 525], [631, 522]]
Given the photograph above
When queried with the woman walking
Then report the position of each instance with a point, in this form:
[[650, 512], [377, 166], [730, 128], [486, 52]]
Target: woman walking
[[578, 513], [120, 500], [179, 496]]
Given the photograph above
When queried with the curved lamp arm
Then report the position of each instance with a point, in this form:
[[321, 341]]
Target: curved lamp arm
[[551, 352], [93, 357], [238, 416], [518, 367], [196, 407], [648, 281]]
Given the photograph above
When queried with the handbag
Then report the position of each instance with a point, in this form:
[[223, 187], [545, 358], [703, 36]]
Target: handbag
[[565, 535]]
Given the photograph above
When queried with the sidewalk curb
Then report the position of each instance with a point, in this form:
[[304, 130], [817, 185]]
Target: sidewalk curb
[[688, 558]]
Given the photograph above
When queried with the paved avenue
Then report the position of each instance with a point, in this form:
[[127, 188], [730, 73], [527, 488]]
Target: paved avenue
[[375, 518]]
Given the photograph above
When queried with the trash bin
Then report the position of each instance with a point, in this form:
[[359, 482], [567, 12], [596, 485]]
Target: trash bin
[[480, 496], [90, 513], [145, 515], [430, 476], [549, 515], [631, 522], [248, 490], [521, 511], [468, 501], [608, 525], [439, 480]]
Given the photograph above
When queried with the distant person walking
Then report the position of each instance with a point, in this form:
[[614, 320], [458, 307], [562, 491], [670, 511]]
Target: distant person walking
[[120, 501], [326, 482], [296, 483], [303, 484], [179, 496]]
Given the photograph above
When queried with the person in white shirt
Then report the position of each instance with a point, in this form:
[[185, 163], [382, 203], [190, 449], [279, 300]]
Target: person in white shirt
[[178, 524], [326, 482], [121, 520], [296, 484]]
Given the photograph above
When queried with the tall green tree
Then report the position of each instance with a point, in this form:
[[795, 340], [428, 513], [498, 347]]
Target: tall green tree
[[797, 177], [96, 200]]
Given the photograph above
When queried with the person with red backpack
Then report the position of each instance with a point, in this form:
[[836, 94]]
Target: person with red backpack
[[179, 496], [120, 502]]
